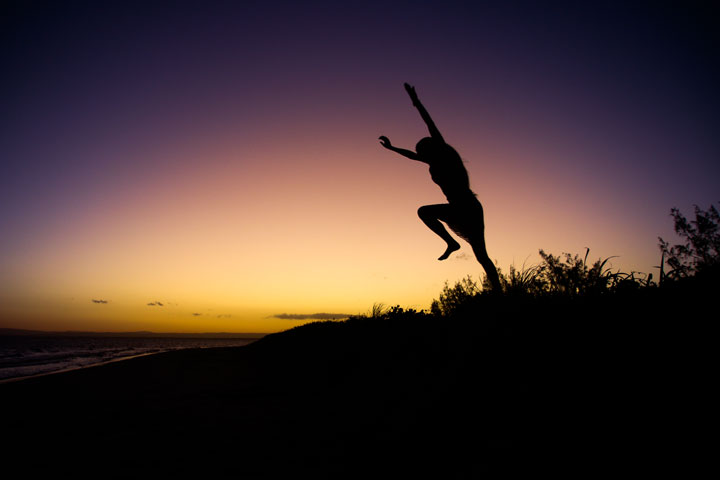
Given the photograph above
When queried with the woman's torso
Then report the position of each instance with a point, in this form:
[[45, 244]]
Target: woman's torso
[[450, 175]]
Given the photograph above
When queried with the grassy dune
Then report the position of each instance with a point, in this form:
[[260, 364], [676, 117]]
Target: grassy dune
[[498, 383]]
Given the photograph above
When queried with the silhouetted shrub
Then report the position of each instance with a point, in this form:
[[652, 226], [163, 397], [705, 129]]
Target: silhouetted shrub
[[700, 251], [526, 281], [378, 310], [573, 276], [564, 275], [455, 297]]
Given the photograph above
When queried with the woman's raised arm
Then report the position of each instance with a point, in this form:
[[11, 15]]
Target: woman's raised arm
[[434, 132]]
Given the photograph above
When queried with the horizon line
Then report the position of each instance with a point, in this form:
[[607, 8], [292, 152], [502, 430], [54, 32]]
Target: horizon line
[[20, 332]]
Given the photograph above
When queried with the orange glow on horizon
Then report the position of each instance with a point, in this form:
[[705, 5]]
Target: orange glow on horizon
[[225, 245]]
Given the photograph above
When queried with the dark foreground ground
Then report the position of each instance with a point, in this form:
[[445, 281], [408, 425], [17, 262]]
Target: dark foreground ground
[[511, 386]]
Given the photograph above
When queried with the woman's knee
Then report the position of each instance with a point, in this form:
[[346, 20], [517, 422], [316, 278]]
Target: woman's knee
[[432, 211], [425, 211]]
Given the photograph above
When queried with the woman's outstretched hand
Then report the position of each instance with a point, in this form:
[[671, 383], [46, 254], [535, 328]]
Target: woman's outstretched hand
[[385, 142], [411, 91]]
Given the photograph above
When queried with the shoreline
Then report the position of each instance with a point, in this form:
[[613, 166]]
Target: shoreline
[[114, 360], [82, 367]]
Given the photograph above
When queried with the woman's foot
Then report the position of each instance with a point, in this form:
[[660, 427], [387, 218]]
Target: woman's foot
[[450, 249]]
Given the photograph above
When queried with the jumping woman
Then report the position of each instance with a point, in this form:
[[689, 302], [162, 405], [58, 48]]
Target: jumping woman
[[463, 213]]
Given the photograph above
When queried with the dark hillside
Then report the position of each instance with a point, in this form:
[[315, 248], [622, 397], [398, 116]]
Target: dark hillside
[[505, 384]]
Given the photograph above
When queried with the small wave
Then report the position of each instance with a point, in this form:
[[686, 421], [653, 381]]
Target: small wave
[[28, 356]]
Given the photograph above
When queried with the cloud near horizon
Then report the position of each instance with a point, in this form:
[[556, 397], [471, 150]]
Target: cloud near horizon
[[311, 316]]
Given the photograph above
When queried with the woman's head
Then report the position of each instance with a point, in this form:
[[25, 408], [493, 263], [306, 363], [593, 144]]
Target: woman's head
[[429, 148]]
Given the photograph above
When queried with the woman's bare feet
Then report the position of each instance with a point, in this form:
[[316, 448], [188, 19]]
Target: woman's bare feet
[[450, 249]]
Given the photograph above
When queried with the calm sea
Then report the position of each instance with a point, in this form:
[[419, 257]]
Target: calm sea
[[23, 356]]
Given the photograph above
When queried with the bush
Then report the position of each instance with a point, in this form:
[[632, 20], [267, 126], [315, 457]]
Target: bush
[[564, 275], [700, 251], [572, 276], [455, 297]]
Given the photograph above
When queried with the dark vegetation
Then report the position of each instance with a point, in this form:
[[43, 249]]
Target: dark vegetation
[[698, 256], [573, 370]]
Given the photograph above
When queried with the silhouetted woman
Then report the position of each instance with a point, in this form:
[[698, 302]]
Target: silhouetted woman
[[463, 213]]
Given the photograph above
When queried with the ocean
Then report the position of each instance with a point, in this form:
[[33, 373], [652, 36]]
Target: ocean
[[31, 355]]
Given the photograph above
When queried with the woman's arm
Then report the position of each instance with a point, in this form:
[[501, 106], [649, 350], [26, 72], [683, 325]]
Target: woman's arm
[[434, 132], [385, 142]]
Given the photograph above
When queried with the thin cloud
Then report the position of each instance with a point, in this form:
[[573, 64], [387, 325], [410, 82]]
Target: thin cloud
[[311, 316], [94, 300], [196, 314]]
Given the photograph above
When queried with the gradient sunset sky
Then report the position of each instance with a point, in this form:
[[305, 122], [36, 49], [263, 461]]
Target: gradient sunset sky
[[206, 166]]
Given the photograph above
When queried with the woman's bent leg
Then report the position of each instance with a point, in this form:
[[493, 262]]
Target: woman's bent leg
[[431, 216]]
